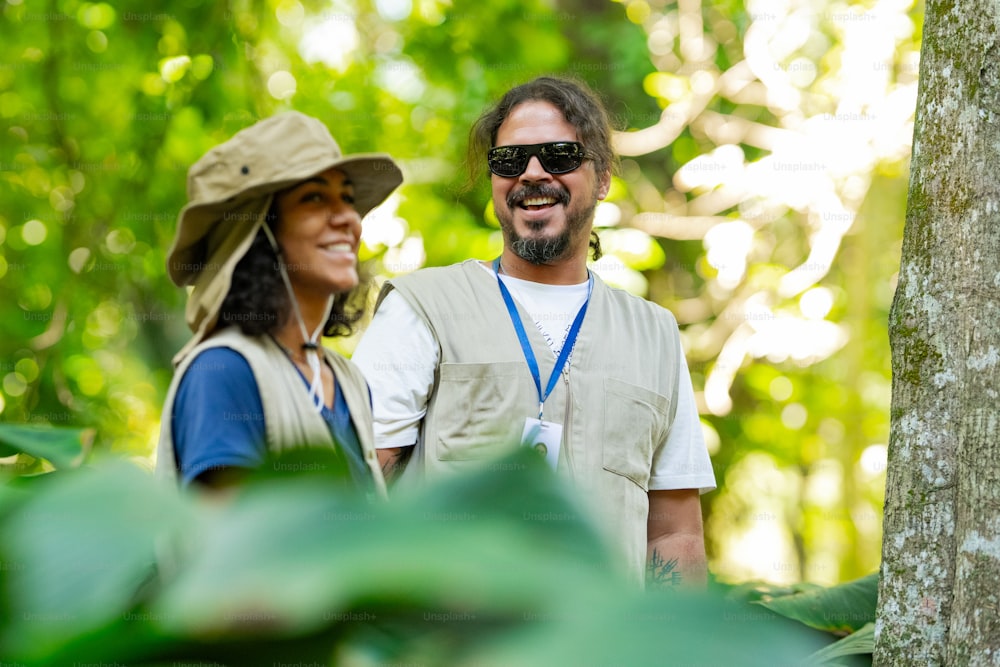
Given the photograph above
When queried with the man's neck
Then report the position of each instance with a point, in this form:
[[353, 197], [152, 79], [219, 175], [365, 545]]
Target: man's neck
[[569, 271]]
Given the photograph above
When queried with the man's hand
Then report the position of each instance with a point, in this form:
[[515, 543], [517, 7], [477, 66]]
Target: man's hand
[[393, 460], [675, 555]]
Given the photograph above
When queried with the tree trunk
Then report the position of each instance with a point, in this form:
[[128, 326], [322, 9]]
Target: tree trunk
[[939, 596]]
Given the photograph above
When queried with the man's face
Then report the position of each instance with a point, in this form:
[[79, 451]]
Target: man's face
[[545, 217]]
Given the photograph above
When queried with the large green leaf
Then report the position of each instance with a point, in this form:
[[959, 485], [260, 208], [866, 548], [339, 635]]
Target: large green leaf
[[78, 554], [292, 570], [861, 642], [654, 629], [65, 447], [465, 572], [315, 554], [840, 609]]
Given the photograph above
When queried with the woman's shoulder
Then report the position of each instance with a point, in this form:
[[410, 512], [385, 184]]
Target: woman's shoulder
[[217, 368], [220, 354], [218, 360], [232, 348]]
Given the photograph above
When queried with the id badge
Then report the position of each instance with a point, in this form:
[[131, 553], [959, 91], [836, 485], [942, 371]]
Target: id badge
[[544, 438]]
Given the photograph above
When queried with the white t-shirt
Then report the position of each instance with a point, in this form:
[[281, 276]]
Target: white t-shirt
[[400, 396]]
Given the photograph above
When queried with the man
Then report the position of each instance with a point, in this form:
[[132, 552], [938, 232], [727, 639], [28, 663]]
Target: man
[[467, 360]]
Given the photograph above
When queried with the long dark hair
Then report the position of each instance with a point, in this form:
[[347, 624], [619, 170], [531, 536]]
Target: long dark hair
[[258, 302], [581, 108]]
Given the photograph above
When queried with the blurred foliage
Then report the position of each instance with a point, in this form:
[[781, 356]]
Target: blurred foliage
[[27, 446], [761, 199], [294, 570], [843, 609]]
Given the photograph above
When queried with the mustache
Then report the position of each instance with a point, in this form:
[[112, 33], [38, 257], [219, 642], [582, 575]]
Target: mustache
[[517, 196]]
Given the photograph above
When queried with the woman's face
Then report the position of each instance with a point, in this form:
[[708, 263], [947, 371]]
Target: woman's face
[[318, 230]]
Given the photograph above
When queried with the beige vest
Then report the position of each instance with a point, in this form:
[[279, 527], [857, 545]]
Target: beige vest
[[616, 400], [289, 418]]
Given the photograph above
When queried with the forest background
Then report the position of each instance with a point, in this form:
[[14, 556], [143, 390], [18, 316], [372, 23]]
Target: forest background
[[765, 149]]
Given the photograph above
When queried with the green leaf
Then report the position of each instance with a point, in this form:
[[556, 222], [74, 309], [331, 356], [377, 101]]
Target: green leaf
[[840, 609], [861, 642], [495, 567], [64, 447], [79, 552], [656, 628], [469, 545]]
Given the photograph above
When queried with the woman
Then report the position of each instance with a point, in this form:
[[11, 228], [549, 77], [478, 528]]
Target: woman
[[269, 243]]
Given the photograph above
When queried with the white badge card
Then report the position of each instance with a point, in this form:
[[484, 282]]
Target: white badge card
[[544, 438]]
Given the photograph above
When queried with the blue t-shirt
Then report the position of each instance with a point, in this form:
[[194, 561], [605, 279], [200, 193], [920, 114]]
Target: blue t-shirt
[[218, 418]]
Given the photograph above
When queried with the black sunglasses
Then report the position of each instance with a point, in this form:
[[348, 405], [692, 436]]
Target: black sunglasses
[[557, 157]]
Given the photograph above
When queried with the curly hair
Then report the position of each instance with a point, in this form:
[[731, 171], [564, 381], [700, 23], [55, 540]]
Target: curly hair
[[257, 301], [581, 108]]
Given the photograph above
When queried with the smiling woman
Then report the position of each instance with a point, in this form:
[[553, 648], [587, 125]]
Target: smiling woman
[[269, 243], [319, 231]]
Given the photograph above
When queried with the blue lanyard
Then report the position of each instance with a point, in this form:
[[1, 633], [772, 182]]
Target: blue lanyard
[[522, 336]]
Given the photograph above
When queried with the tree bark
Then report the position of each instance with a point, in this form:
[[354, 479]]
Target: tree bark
[[939, 598]]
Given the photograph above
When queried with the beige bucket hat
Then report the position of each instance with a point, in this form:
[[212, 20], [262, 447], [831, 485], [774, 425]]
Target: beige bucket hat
[[230, 191]]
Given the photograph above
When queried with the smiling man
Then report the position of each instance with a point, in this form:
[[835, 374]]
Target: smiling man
[[533, 349]]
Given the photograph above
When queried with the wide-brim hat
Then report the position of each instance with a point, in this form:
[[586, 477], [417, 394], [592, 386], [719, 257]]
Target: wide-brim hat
[[230, 190]]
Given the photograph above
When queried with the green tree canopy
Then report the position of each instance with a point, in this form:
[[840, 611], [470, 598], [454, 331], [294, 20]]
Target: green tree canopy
[[760, 198]]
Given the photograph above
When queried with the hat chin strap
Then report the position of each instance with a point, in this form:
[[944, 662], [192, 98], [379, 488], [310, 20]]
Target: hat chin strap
[[311, 344]]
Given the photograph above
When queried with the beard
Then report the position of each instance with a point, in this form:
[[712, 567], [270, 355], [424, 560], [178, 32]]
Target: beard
[[544, 249]]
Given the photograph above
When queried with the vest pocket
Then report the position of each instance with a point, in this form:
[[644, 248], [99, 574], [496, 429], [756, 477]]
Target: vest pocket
[[476, 410], [634, 420]]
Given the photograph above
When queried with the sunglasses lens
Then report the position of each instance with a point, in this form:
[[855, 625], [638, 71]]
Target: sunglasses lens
[[508, 161], [560, 158]]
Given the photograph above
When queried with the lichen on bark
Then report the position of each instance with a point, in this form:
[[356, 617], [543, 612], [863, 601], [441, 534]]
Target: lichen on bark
[[938, 597]]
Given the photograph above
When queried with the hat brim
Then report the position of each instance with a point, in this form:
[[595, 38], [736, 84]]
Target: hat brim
[[374, 177]]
